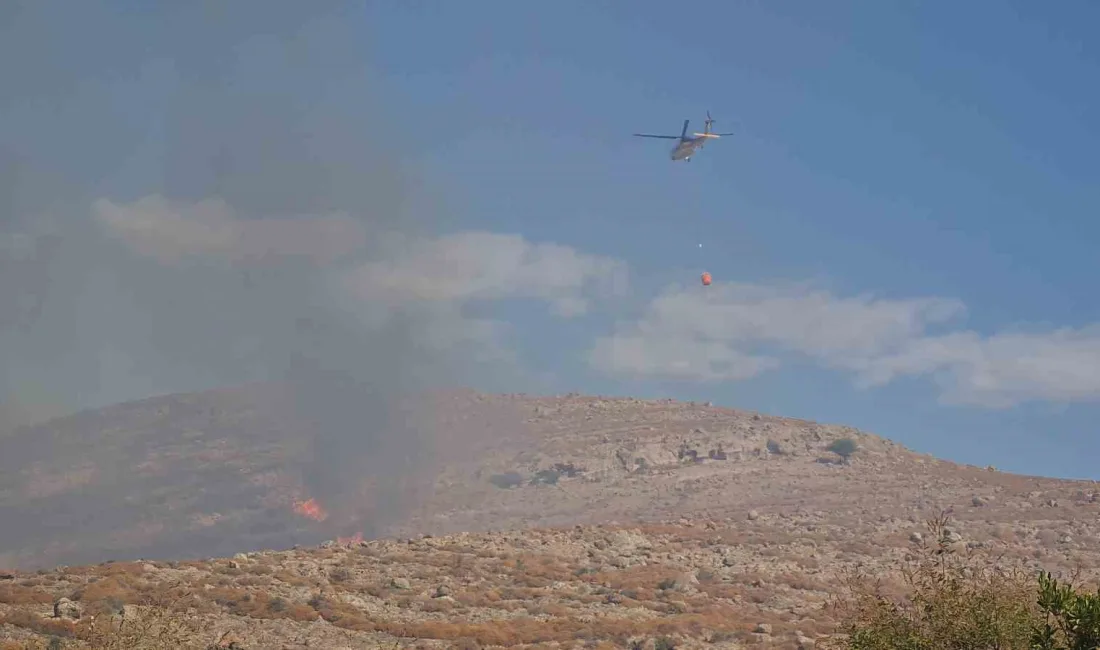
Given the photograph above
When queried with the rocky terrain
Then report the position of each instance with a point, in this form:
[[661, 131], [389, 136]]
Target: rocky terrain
[[561, 521]]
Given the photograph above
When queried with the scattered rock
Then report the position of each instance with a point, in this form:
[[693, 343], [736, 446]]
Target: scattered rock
[[67, 609], [400, 583]]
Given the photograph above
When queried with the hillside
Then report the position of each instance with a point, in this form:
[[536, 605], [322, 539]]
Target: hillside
[[743, 518]]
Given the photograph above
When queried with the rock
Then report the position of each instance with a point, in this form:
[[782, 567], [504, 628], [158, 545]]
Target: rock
[[400, 583], [978, 502], [67, 609], [763, 628], [916, 538], [729, 561], [685, 581], [442, 590], [753, 515]]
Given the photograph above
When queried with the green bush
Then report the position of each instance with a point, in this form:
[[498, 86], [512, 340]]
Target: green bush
[[506, 480], [844, 447], [1071, 619], [964, 602]]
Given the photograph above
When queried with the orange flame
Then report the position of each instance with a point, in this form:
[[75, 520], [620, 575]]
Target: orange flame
[[310, 508], [347, 541]]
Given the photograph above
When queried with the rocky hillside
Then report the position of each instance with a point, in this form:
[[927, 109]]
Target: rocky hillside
[[217, 473], [763, 581], [617, 521]]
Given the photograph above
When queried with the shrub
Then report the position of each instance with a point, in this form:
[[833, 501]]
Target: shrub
[[546, 476], [506, 480], [843, 447], [954, 602], [1072, 620]]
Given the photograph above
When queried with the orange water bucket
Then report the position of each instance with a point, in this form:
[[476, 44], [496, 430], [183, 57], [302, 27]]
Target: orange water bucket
[[706, 279]]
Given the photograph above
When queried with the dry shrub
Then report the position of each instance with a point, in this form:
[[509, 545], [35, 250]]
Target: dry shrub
[[119, 568], [254, 581], [37, 623], [805, 562], [258, 604], [950, 601], [436, 606], [634, 578], [860, 548], [527, 631], [110, 590], [292, 579], [1048, 538], [167, 620], [722, 590], [342, 614], [556, 609], [20, 595], [802, 582], [758, 595], [378, 590], [543, 567], [749, 578]]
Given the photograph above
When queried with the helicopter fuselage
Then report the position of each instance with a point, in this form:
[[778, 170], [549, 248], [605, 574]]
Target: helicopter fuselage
[[686, 148]]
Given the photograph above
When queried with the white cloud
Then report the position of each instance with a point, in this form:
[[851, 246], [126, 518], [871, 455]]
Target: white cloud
[[737, 331], [474, 266], [436, 278], [425, 280], [1003, 369], [726, 332], [170, 231]]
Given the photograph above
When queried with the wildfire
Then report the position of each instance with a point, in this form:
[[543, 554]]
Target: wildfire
[[310, 508], [314, 510], [346, 541]]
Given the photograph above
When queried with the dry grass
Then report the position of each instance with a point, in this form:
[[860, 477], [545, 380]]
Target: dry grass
[[20, 595]]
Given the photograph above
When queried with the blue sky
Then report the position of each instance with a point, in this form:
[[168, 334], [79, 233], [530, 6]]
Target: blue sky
[[941, 152]]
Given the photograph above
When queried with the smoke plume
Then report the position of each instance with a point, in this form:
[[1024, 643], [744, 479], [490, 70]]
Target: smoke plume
[[206, 240]]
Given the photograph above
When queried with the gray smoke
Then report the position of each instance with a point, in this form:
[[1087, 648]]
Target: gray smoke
[[265, 112]]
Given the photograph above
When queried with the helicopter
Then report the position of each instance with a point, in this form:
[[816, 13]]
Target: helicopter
[[687, 145]]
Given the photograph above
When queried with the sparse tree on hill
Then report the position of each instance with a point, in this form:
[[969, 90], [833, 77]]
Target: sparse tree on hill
[[843, 447]]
